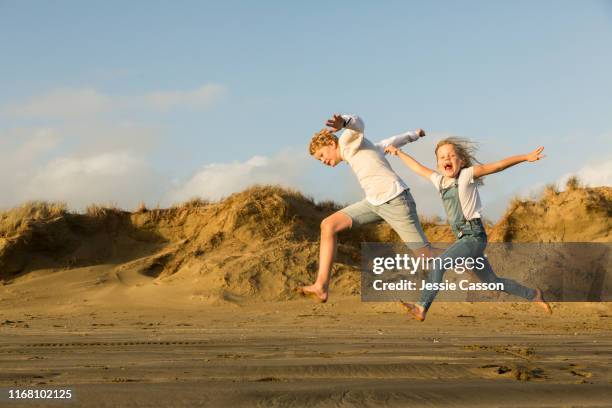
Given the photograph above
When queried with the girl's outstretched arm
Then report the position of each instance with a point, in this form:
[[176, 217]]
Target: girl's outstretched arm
[[414, 165], [490, 168]]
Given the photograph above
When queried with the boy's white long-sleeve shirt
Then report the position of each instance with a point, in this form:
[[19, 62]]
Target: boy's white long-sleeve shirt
[[368, 161]]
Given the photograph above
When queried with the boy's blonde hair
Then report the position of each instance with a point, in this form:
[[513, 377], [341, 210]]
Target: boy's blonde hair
[[465, 149], [323, 138]]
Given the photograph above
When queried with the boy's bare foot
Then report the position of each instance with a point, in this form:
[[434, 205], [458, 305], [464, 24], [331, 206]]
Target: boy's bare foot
[[539, 299], [315, 292], [416, 310]]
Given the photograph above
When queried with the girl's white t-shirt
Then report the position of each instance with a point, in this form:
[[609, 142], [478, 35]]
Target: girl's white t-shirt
[[468, 191]]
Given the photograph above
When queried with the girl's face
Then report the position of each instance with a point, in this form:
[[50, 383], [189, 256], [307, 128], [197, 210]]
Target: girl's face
[[449, 163], [328, 155]]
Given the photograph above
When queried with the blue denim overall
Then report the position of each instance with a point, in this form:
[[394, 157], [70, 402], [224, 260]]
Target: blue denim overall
[[471, 242]]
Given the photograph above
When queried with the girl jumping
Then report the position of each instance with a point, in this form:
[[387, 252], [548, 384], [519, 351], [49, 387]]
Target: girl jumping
[[457, 181]]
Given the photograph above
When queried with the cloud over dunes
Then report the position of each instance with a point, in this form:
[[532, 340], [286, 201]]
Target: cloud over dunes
[[43, 164], [93, 147], [217, 180], [119, 178], [36, 164]]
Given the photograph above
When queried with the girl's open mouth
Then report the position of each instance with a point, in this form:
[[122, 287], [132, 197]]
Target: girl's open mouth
[[448, 167]]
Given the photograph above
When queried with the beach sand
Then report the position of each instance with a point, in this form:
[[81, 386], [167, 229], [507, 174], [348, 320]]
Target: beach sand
[[139, 342]]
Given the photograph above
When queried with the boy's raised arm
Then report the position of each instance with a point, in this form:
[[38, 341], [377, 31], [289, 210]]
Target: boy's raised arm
[[352, 122], [414, 165], [490, 168], [401, 139]]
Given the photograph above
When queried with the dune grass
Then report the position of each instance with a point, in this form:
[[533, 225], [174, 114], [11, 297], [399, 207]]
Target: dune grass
[[19, 218]]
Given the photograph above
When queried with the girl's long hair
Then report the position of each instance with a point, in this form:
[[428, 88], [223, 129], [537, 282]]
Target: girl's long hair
[[466, 150]]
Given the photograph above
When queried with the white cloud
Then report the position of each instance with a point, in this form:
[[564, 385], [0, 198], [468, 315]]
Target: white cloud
[[119, 178], [592, 175], [22, 146], [124, 178], [44, 139], [218, 180], [70, 103], [93, 152], [46, 164]]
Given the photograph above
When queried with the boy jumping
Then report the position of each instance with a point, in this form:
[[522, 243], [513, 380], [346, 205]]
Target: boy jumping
[[387, 196]]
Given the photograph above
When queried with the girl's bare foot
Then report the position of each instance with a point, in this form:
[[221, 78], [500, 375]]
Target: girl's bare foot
[[317, 293], [415, 309], [539, 300]]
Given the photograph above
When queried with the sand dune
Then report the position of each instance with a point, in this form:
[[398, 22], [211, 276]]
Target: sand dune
[[257, 244]]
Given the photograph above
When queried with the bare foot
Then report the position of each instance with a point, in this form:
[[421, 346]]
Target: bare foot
[[539, 299], [315, 292], [416, 310]]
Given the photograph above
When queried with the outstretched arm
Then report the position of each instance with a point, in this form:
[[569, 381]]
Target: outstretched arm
[[401, 139], [490, 168], [414, 165]]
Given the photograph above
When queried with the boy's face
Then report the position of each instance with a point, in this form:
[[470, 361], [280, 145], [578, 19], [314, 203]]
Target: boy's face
[[328, 155], [449, 163]]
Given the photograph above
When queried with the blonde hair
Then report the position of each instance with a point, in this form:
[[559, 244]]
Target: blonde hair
[[466, 150], [323, 138]]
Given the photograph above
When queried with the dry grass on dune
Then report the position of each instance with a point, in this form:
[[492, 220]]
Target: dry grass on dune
[[577, 214], [18, 219]]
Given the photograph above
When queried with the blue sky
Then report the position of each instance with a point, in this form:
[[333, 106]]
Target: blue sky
[[158, 101]]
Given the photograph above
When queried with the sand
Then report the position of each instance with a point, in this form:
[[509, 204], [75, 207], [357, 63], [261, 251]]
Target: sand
[[145, 344]]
